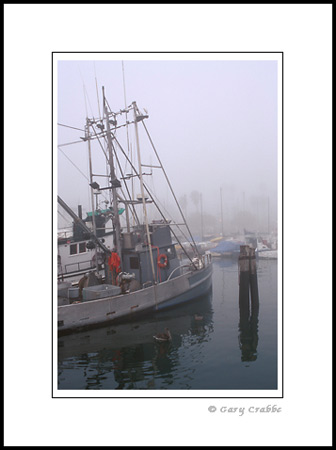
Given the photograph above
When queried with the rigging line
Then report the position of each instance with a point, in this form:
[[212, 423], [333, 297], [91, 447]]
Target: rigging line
[[69, 143], [76, 167], [64, 218], [109, 107], [98, 139], [86, 108], [133, 210], [89, 102], [170, 187], [104, 133], [68, 126], [106, 157], [105, 136], [86, 95], [119, 165], [124, 85], [149, 193], [82, 173], [107, 161], [80, 74], [177, 239], [94, 65], [168, 215]]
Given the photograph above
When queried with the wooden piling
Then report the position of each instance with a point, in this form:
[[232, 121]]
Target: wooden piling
[[244, 265], [248, 311], [253, 280], [244, 282]]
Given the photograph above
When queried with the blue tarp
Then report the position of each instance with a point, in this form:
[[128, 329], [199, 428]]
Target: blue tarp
[[227, 247]]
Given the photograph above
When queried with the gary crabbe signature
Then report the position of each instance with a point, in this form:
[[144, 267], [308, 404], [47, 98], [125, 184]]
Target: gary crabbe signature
[[270, 409]]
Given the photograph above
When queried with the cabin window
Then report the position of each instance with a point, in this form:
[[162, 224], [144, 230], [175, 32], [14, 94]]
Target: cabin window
[[73, 249], [171, 253], [82, 247], [134, 262]]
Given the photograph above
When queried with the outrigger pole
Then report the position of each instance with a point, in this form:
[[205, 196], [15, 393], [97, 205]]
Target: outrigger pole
[[80, 222], [114, 182]]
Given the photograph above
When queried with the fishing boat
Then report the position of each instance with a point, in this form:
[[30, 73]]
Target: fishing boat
[[142, 272]]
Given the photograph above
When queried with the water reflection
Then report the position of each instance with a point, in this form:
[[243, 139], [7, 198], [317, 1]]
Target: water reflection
[[225, 262], [126, 356], [248, 319]]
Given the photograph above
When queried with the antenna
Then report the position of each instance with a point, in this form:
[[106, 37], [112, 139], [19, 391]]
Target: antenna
[[94, 65], [128, 144]]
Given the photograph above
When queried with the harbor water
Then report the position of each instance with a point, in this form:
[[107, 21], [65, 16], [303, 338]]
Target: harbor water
[[211, 346]]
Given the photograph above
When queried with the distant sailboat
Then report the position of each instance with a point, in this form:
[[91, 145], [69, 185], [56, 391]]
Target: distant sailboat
[[264, 252]]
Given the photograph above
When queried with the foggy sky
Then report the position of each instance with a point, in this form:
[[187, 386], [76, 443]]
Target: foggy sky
[[214, 124]]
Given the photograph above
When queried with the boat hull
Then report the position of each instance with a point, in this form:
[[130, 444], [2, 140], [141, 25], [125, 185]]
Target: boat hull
[[122, 307], [267, 254]]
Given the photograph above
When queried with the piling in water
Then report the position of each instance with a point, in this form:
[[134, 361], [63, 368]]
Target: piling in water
[[253, 279], [244, 282], [248, 311]]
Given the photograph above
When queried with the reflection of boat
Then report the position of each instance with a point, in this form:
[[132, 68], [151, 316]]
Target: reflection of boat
[[225, 262], [142, 272], [180, 321], [248, 312]]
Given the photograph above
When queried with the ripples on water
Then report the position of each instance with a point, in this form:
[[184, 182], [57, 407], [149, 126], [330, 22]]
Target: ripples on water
[[221, 351]]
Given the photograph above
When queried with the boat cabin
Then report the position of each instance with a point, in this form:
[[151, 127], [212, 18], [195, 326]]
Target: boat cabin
[[136, 258]]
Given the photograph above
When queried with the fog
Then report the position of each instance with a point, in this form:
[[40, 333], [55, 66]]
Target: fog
[[214, 124]]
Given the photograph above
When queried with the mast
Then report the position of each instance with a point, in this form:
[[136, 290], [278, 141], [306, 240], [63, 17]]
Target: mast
[[94, 228], [136, 118], [202, 228], [268, 216], [221, 197], [129, 147], [115, 183]]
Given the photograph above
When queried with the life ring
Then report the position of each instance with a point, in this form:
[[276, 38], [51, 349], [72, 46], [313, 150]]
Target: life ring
[[162, 260]]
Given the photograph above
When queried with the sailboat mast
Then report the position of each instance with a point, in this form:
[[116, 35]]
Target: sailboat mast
[[142, 189], [94, 227], [114, 182], [221, 197]]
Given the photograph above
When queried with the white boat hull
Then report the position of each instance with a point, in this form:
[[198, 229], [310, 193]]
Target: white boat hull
[[126, 306], [268, 254]]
